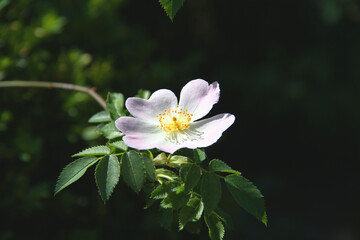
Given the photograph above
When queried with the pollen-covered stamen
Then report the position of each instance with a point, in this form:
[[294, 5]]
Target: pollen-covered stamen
[[174, 120]]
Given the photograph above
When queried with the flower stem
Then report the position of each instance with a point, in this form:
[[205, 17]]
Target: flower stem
[[119, 154], [204, 170], [51, 85]]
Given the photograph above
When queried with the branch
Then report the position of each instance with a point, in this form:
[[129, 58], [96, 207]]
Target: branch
[[51, 85]]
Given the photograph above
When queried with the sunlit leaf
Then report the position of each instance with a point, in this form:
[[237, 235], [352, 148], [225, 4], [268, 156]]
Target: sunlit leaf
[[73, 172], [143, 94], [192, 211], [119, 145], [177, 161], [100, 117], [107, 175], [93, 151], [109, 131], [175, 200], [160, 159], [215, 226], [115, 105], [133, 170], [161, 191], [162, 173], [199, 155], [217, 165]]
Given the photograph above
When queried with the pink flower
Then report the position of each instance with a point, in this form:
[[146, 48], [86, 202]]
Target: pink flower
[[161, 122]]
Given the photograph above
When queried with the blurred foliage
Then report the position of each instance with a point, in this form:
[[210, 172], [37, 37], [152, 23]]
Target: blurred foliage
[[288, 71]]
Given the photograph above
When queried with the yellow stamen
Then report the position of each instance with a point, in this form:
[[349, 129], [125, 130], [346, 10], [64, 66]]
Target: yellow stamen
[[174, 120]]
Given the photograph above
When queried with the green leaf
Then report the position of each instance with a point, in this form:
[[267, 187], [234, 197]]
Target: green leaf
[[73, 172], [162, 173], [183, 172], [149, 166], [133, 170], [175, 200], [100, 117], [107, 174], [3, 3], [171, 7], [199, 155], [115, 105], [217, 165], [93, 151], [210, 191], [192, 177], [161, 191], [160, 159], [224, 217], [119, 145], [109, 131], [166, 217], [215, 226], [145, 94], [177, 161], [247, 196], [192, 211]]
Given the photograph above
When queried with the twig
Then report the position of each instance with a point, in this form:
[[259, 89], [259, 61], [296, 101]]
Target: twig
[[51, 85]]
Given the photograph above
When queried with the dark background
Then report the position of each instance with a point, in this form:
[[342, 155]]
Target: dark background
[[288, 70]]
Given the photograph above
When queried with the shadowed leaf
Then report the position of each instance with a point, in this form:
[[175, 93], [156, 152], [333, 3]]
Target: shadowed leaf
[[247, 196], [171, 7]]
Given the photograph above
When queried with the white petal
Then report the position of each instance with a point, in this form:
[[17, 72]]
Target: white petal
[[133, 126], [198, 97], [211, 129], [170, 147], [174, 141], [202, 133], [139, 134], [144, 135], [147, 110]]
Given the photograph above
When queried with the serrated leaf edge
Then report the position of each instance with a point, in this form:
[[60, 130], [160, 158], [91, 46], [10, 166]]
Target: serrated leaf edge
[[84, 153], [83, 169], [143, 171], [116, 182], [230, 170]]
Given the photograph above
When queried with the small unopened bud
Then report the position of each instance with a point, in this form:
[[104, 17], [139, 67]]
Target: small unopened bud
[[160, 159]]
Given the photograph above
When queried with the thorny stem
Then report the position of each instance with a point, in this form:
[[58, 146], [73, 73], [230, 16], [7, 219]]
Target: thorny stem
[[51, 85]]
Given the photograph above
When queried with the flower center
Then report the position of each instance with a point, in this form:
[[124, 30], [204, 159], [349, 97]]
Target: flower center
[[174, 119]]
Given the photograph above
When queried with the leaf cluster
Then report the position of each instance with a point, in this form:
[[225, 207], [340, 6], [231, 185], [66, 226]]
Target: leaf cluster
[[186, 188]]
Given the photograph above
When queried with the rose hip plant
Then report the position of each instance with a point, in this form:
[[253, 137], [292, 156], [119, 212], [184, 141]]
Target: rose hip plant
[[155, 144]]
